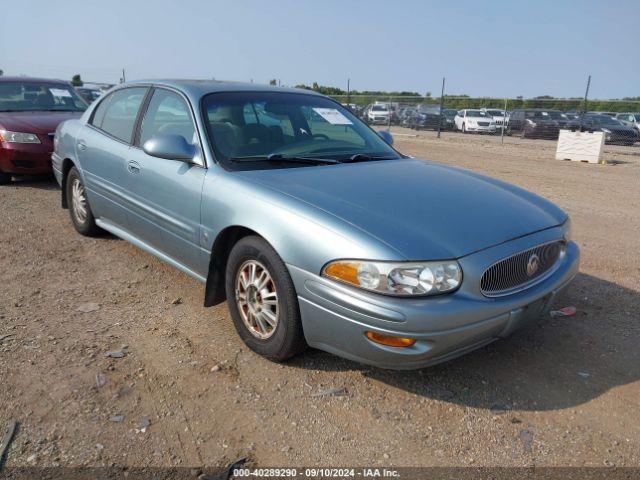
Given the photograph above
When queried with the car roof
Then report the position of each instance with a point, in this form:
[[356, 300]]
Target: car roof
[[4, 79], [196, 89]]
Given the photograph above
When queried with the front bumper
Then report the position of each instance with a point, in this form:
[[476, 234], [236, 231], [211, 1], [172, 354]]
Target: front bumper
[[379, 120], [25, 158], [548, 132], [335, 317], [481, 129]]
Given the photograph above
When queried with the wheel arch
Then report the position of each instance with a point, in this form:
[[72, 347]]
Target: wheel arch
[[215, 292], [67, 165]]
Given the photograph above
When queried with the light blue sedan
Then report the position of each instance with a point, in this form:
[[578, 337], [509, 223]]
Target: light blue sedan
[[310, 224]]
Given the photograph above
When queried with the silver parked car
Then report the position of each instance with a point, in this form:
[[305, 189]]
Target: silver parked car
[[313, 228]]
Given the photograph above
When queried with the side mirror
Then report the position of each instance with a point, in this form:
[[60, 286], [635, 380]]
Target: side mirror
[[170, 147], [386, 136]]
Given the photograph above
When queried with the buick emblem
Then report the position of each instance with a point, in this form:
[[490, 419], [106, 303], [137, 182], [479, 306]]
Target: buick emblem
[[533, 264]]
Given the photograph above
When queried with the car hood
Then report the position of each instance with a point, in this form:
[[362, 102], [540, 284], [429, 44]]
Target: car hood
[[619, 128], [35, 122], [423, 210]]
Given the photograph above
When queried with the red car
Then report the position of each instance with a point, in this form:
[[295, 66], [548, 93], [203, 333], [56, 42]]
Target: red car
[[30, 111]]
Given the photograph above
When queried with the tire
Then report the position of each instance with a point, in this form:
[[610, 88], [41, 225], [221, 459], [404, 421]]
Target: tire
[[5, 178], [83, 222], [464, 128], [248, 305]]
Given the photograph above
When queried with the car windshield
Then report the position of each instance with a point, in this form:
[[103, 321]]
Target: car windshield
[[433, 109], [33, 96], [378, 108], [605, 120], [495, 113], [90, 93], [263, 124], [556, 115], [539, 114], [477, 113]]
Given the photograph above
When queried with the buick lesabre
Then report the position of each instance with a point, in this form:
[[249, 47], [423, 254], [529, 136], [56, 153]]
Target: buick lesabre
[[313, 228]]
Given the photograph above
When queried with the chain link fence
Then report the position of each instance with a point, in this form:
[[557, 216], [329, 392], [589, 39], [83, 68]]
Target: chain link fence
[[539, 118]]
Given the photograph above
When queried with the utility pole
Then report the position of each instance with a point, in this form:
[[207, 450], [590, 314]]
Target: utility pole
[[584, 104], [349, 93], [124, 78], [504, 121], [441, 107]]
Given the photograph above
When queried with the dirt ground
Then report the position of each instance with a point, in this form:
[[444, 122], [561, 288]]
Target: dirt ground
[[562, 392]]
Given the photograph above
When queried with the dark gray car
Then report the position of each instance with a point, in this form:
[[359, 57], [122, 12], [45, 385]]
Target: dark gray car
[[614, 131]]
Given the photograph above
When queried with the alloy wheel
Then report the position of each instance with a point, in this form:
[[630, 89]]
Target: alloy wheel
[[257, 299], [79, 201]]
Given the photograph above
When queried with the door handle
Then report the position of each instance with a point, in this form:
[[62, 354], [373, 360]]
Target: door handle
[[133, 167], [82, 145]]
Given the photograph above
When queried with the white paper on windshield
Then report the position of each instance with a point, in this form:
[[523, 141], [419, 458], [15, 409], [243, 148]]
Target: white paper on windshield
[[333, 116], [58, 92]]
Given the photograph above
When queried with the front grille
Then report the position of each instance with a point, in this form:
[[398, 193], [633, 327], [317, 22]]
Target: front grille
[[483, 124], [517, 272]]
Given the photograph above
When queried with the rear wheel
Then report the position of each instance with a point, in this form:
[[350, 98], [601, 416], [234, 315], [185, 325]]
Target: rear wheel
[[262, 300], [5, 178], [79, 209]]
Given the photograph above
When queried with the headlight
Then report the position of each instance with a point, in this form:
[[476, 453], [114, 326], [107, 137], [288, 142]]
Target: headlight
[[566, 230], [395, 278], [18, 137]]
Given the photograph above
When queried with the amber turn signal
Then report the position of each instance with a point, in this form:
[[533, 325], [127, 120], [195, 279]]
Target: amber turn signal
[[344, 271], [389, 340]]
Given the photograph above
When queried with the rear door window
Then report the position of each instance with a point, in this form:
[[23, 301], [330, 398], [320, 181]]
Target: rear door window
[[117, 113]]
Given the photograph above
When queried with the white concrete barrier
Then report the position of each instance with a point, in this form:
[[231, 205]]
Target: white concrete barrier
[[580, 146]]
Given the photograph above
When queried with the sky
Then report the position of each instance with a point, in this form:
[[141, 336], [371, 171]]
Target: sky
[[492, 48]]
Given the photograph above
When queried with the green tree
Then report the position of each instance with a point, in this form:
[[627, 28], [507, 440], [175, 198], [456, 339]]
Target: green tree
[[76, 81], [1, 72], [273, 81]]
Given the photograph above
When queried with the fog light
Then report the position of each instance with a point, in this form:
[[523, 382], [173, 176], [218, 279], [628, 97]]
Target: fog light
[[389, 340]]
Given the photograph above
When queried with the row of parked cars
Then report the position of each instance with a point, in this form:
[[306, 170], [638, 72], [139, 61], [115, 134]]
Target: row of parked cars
[[619, 128], [31, 109]]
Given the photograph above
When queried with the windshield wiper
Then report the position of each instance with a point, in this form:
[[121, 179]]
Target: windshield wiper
[[277, 157], [363, 157]]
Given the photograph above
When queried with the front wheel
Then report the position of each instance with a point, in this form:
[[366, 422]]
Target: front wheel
[[79, 209], [464, 128], [262, 300], [5, 178]]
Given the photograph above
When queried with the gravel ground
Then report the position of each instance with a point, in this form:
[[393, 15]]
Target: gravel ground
[[186, 392]]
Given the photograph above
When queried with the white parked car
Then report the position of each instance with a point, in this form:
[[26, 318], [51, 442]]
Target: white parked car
[[499, 116], [378, 114], [472, 120]]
